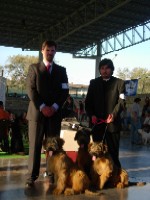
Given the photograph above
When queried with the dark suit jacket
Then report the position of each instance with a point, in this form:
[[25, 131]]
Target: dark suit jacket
[[43, 87], [104, 98]]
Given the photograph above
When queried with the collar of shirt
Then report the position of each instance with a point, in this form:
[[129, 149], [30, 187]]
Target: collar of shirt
[[46, 63], [106, 79]]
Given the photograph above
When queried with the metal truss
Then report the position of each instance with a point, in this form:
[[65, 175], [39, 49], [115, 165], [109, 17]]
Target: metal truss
[[83, 17], [119, 41]]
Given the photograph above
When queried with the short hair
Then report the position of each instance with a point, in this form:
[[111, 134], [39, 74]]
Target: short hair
[[136, 100], [107, 62], [49, 43]]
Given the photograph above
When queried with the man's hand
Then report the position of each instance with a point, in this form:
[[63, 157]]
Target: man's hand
[[110, 118], [52, 111], [48, 111], [94, 119]]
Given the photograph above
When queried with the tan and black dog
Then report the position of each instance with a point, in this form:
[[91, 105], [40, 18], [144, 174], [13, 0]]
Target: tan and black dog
[[84, 159], [68, 178], [103, 169]]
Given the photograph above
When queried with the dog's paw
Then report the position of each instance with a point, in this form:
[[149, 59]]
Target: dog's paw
[[120, 185], [141, 183], [57, 191], [69, 191]]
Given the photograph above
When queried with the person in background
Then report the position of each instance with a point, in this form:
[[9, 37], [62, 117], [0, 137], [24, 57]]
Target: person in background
[[125, 118], [146, 123], [4, 127], [135, 121], [81, 111], [146, 107], [47, 89], [104, 103], [17, 146], [24, 126], [67, 109]]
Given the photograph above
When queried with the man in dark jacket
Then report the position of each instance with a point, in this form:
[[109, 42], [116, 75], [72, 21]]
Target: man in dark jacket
[[47, 88], [104, 103]]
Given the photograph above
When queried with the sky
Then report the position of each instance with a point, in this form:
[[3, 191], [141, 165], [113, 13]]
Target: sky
[[81, 71]]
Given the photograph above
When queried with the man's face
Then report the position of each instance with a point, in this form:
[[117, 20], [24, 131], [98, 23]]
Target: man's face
[[105, 72], [48, 53]]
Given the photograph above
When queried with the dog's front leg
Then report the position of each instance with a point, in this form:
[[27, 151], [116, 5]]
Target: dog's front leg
[[60, 183], [103, 179]]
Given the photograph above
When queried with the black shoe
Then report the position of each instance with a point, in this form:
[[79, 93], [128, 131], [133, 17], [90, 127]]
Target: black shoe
[[29, 183]]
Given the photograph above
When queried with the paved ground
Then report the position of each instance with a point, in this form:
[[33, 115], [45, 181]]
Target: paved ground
[[136, 159]]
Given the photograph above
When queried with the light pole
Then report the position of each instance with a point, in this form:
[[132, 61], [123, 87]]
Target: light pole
[[115, 56]]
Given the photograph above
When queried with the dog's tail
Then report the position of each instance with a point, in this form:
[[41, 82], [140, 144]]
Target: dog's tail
[[137, 183], [93, 193]]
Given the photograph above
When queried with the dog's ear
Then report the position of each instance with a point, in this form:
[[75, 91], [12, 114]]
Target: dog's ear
[[89, 145], [105, 148], [60, 142], [76, 135]]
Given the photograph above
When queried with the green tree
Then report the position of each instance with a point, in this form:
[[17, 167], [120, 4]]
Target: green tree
[[142, 74], [17, 69]]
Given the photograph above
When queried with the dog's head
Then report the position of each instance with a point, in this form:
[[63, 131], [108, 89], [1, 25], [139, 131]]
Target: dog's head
[[97, 149], [53, 144], [140, 131], [82, 137]]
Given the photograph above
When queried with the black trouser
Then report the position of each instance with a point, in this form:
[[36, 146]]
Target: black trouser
[[4, 141], [47, 127], [112, 139]]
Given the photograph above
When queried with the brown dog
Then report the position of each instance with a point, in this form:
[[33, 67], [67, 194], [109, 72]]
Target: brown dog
[[103, 169], [69, 179], [84, 159]]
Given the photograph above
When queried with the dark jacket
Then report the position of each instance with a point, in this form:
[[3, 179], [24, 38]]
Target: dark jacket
[[43, 87], [105, 98]]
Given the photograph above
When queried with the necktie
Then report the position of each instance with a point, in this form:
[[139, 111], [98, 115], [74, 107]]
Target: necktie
[[48, 67]]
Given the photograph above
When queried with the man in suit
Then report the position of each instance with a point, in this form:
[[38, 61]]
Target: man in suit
[[47, 88], [104, 103]]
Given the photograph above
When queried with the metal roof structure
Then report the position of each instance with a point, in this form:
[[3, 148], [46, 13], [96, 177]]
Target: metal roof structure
[[73, 24]]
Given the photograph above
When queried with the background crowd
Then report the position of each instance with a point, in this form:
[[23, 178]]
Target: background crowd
[[14, 130]]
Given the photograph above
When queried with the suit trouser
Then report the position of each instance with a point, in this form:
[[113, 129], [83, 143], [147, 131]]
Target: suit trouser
[[112, 140], [47, 127]]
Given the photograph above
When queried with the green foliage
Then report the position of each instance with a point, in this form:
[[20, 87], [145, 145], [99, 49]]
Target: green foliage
[[17, 70], [142, 74]]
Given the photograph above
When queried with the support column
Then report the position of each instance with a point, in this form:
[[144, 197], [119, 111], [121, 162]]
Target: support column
[[40, 56], [97, 66], [98, 59]]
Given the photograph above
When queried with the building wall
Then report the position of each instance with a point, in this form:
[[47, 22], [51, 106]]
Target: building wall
[[18, 105]]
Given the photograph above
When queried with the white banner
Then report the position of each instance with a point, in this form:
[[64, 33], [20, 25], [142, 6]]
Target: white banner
[[131, 87], [2, 89]]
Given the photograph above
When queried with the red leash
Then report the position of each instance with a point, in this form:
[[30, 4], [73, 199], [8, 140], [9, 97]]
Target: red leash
[[100, 121]]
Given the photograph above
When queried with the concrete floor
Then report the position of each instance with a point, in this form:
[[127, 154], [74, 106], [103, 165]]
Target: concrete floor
[[135, 159]]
